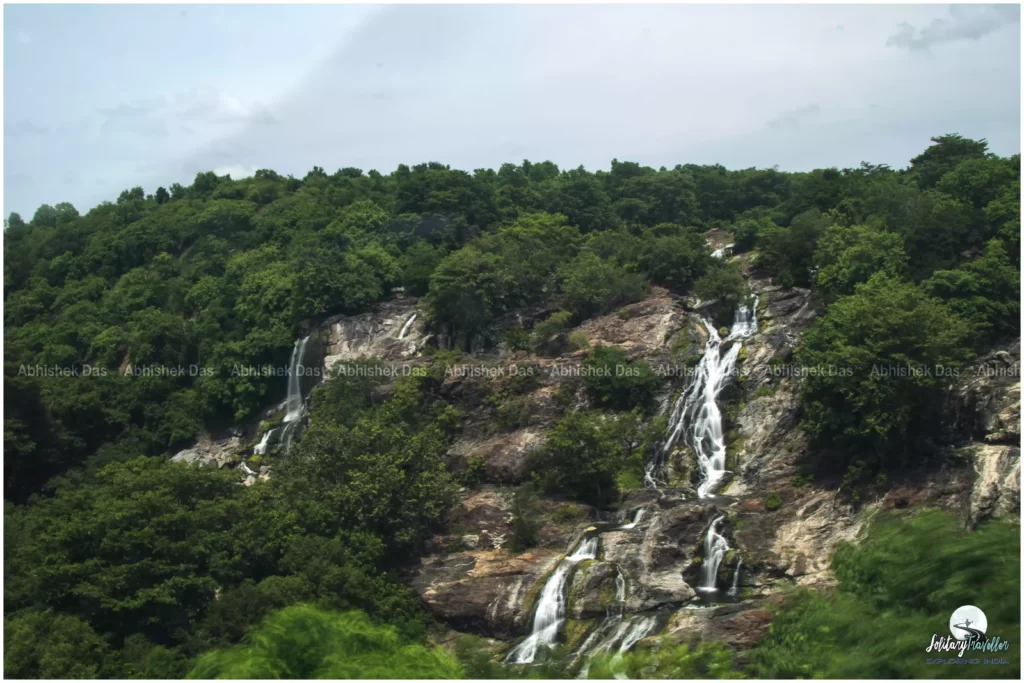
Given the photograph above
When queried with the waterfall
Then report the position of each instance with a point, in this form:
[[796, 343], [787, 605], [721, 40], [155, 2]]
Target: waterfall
[[637, 631], [551, 604], [723, 252], [294, 402], [636, 519], [697, 408], [620, 589], [715, 547], [736, 579], [405, 327], [627, 633], [261, 447]]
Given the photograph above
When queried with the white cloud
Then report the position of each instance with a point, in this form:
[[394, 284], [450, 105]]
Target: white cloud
[[200, 107], [965, 22]]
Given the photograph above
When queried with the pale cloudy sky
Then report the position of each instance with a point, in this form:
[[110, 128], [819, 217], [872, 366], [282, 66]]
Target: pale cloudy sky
[[98, 99]]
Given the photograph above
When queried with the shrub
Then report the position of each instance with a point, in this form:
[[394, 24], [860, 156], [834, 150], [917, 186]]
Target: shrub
[[579, 340], [544, 337], [306, 642], [579, 459], [525, 517], [613, 381], [772, 502]]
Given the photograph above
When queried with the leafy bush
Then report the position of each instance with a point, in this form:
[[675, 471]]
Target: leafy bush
[[667, 660], [579, 340], [579, 459], [590, 286], [543, 337], [306, 642], [772, 502], [724, 284], [613, 381]]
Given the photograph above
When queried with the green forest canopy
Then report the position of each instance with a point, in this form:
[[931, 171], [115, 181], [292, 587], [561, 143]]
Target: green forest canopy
[[137, 566]]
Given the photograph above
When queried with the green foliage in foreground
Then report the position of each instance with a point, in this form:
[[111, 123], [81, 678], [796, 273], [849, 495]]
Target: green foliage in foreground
[[663, 659], [305, 642], [896, 589]]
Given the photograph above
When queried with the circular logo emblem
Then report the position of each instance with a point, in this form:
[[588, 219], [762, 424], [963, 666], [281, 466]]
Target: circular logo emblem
[[968, 622]]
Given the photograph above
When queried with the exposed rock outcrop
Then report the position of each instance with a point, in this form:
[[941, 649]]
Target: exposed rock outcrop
[[987, 404], [376, 334], [212, 452]]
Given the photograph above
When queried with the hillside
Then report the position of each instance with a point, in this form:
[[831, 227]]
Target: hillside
[[528, 421]]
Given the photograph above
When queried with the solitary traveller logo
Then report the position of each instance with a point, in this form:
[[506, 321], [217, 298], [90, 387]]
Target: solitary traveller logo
[[968, 629]]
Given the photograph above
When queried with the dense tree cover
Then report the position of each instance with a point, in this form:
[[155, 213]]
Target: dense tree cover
[[118, 563], [225, 273], [143, 564]]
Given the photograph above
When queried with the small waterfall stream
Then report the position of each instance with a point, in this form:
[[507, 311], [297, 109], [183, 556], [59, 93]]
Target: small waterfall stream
[[636, 519], [715, 548], [551, 604], [734, 589], [294, 404], [261, 447], [407, 325]]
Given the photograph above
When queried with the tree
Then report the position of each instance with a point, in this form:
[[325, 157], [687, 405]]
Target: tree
[[49, 645], [724, 284], [305, 642], [579, 459], [788, 253], [929, 166], [673, 256], [883, 357], [146, 562], [590, 286], [897, 582], [976, 182], [531, 249], [466, 290], [613, 381], [847, 256], [984, 292]]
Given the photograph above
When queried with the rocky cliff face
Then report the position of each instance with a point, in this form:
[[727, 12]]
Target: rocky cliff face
[[780, 527], [789, 544]]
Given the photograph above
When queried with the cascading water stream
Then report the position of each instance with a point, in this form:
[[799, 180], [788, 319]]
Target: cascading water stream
[[551, 604], [294, 402], [715, 548], [407, 325], [261, 447], [723, 252], [696, 413], [734, 589], [636, 519], [626, 634]]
